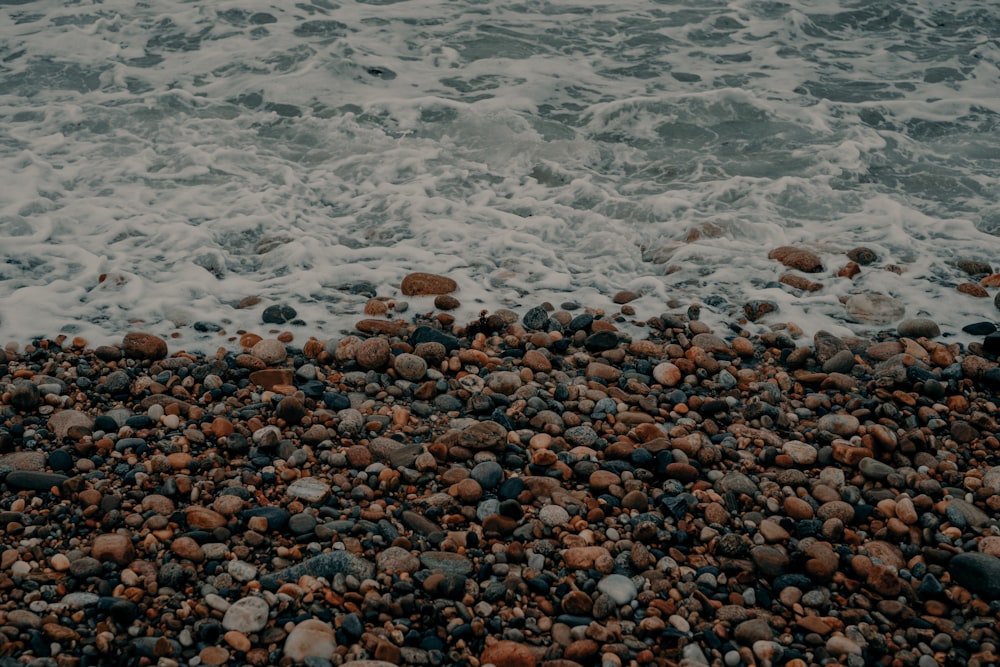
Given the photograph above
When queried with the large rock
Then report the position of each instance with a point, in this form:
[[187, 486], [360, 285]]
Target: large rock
[[138, 345], [246, 615], [61, 422], [978, 572], [113, 547], [326, 565], [481, 435], [506, 653], [424, 284], [874, 308], [311, 638]]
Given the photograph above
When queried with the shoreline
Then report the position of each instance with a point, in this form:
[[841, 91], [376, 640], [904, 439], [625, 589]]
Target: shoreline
[[512, 496]]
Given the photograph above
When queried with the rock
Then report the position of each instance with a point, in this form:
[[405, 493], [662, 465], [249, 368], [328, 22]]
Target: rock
[[874, 308], [326, 565], [426, 334], [33, 480], [61, 422], [800, 452], [270, 351], [446, 302], [506, 653], [204, 518], [584, 558], [841, 645], [427, 284], [247, 615], [799, 259], [450, 564], [410, 367], [291, 410], [599, 341], [841, 424], [758, 308], [964, 514], [35, 460], [667, 374], [310, 638], [269, 378], [278, 314], [974, 267], [918, 327], [113, 547], [863, 256], [309, 489], [753, 630], [876, 470], [489, 474], [185, 547], [137, 345], [395, 560], [553, 515], [618, 587], [828, 345], [24, 395], [481, 435], [374, 354], [771, 561]]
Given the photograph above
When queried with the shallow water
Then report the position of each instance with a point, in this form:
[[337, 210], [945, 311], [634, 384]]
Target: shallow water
[[163, 161]]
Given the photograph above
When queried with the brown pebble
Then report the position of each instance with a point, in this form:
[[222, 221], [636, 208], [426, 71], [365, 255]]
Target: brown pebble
[[373, 354], [446, 302], [427, 284], [137, 345]]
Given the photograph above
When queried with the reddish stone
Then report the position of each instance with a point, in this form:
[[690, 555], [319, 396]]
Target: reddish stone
[[506, 653], [797, 258], [137, 345], [427, 284]]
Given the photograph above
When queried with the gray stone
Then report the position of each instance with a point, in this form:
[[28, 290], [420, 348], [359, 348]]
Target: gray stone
[[489, 474], [737, 482], [979, 572], [302, 523], [85, 567], [619, 588], [326, 565], [309, 489], [448, 563], [842, 362], [60, 422], [397, 559], [34, 480], [875, 470], [553, 515], [33, 460], [841, 424], [80, 599], [581, 436], [963, 514], [874, 308], [918, 327], [754, 630], [827, 346], [247, 615]]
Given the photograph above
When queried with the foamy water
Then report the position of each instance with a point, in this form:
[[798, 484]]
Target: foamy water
[[163, 161]]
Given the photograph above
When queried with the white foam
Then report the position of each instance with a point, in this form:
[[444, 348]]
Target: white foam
[[193, 154]]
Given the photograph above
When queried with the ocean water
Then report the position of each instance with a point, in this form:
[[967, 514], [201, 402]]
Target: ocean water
[[162, 161]]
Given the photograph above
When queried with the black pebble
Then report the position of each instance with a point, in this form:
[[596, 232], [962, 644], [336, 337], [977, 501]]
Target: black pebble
[[278, 314], [60, 459], [980, 328]]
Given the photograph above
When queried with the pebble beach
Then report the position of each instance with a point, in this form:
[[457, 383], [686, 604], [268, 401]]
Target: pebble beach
[[534, 488]]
